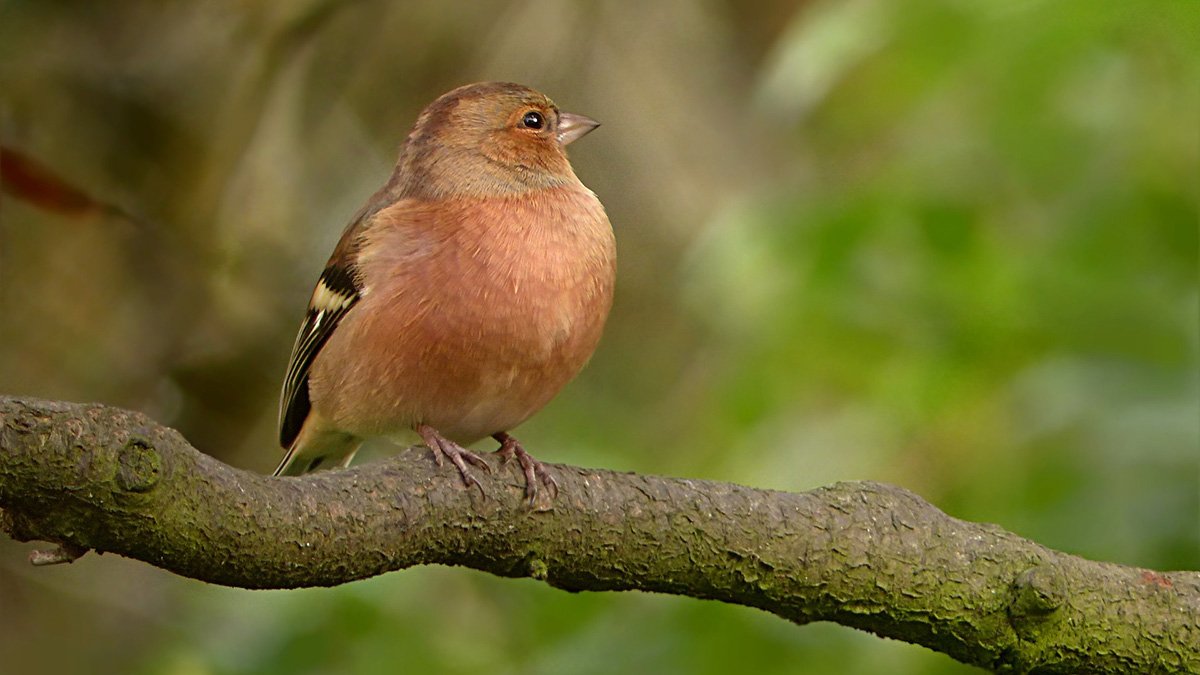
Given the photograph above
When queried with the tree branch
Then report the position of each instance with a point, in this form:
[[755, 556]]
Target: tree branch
[[865, 555]]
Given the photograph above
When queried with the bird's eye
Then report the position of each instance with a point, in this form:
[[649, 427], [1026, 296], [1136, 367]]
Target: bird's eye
[[533, 120]]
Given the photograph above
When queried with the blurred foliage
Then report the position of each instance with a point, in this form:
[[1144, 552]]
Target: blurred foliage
[[943, 244]]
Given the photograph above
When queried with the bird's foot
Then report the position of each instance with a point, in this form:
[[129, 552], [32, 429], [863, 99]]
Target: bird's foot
[[535, 472], [458, 455]]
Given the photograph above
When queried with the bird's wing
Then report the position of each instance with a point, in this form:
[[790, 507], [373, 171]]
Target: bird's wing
[[337, 291]]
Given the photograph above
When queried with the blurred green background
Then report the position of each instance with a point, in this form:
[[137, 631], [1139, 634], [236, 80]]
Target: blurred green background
[[948, 245]]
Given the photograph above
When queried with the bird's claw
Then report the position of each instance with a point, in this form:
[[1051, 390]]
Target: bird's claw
[[459, 456], [535, 472]]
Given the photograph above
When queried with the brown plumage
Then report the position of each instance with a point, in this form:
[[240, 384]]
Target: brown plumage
[[462, 297]]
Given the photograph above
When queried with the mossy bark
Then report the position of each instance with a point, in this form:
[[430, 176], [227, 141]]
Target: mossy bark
[[870, 556]]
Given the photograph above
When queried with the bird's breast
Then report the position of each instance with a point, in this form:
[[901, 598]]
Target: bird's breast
[[538, 272], [483, 308]]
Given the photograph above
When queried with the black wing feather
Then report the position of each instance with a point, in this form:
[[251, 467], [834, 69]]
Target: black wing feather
[[337, 291]]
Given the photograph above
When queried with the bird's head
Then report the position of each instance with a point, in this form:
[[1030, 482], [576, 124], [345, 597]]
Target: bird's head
[[489, 138]]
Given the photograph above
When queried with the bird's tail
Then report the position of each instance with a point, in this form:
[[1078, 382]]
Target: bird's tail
[[314, 450]]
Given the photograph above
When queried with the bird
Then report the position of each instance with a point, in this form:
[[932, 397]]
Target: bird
[[466, 293]]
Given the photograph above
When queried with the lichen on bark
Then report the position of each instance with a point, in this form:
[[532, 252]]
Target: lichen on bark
[[866, 555]]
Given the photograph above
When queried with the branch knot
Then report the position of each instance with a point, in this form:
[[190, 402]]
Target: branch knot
[[1038, 592], [139, 466]]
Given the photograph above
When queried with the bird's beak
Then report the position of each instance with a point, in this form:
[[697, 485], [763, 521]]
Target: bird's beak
[[572, 127]]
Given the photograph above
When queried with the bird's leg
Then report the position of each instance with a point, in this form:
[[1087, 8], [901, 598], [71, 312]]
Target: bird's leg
[[460, 456], [535, 472]]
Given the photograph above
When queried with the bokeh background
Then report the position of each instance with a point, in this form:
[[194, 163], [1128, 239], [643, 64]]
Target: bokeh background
[[948, 245]]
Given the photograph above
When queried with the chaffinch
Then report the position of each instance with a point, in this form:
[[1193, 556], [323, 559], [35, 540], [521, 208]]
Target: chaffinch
[[465, 294]]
